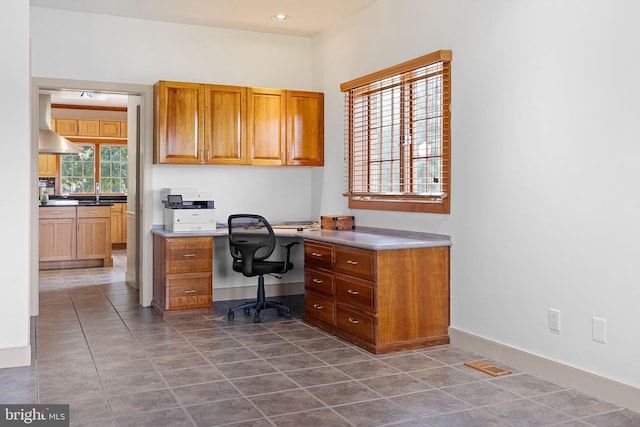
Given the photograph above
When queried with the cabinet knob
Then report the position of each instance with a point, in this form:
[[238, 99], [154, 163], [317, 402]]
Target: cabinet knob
[[352, 292], [352, 262], [354, 321], [318, 306]]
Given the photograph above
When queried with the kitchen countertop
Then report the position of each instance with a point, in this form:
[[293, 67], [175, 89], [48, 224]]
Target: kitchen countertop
[[362, 237]]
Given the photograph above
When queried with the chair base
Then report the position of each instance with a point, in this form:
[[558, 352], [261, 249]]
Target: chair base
[[260, 304]]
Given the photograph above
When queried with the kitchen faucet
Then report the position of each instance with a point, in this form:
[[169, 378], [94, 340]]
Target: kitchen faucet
[[97, 192]]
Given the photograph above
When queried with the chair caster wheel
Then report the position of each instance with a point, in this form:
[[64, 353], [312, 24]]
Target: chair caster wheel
[[287, 315], [247, 312], [230, 315], [256, 318]]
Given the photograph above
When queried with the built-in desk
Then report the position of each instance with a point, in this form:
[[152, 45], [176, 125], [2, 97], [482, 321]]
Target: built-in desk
[[383, 290]]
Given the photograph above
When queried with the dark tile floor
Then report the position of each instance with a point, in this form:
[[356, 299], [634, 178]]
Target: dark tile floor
[[118, 364]]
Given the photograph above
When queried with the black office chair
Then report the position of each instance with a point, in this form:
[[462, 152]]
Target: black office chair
[[251, 242]]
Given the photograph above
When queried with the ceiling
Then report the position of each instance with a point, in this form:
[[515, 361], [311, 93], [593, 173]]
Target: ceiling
[[306, 17]]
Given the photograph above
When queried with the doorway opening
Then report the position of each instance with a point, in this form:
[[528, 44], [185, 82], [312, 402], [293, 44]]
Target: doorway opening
[[125, 104]]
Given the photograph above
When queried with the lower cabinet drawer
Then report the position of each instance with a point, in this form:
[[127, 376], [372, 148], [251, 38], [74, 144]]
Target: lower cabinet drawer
[[320, 308], [319, 282], [355, 292], [356, 323], [189, 254], [187, 291]]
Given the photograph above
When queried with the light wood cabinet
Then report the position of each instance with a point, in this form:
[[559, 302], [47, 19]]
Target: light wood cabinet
[[67, 127], [225, 125], [94, 232], [382, 301], [118, 223], [88, 128], [182, 275], [215, 124], [110, 128], [178, 123], [47, 165], [124, 129], [57, 234], [75, 236]]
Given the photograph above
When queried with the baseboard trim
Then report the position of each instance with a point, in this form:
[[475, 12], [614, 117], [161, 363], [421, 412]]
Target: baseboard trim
[[14, 357], [558, 373], [249, 292]]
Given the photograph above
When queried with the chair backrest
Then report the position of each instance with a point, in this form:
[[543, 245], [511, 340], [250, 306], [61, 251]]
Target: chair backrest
[[251, 238]]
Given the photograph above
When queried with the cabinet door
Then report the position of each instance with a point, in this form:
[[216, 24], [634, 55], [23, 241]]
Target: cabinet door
[[124, 129], [67, 127], [178, 127], [225, 124], [110, 128], [305, 128], [57, 241], [116, 223], [266, 127], [88, 127], [94, 238], [47, 165]]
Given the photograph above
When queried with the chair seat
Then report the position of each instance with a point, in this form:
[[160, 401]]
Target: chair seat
[[262, 267]]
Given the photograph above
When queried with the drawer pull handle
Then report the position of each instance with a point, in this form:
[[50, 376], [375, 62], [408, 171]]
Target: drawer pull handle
[[318, 306], [352, 262], [191, 291], [316, 254], [352, 292], [189, 255], [317, 281], [354, 321]]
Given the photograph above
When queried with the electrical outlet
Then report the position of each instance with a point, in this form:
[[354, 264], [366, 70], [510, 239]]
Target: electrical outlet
[[554, 320], [599, 329]]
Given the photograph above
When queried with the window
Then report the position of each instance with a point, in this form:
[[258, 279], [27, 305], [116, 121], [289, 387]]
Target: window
[[78, 172], [398, 127]]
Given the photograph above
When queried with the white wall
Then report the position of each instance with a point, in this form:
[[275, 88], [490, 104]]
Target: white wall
[[15, 168], [545, 199]]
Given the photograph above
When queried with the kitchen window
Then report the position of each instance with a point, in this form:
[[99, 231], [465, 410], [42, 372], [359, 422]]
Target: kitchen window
[[398, 136], [100, 162]]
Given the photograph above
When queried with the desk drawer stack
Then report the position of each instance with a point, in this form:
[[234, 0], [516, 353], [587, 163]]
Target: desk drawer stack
[[382, 301], [182, 275]]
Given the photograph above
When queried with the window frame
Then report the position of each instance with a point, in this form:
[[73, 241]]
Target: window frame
[[97, 143], [409, 201]]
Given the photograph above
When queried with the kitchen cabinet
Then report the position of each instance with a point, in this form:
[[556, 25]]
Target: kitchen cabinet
[[216, 124], [382, 301], [57, 234], [118, 224], [110, 128], [75, 237], [94, 232], [178, 123], [182, 275], [124, 129], [67, 127], [47, 165], [88, 128], [225, 125]]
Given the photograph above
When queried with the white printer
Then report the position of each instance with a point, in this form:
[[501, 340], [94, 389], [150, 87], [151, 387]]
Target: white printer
[[187, 209]]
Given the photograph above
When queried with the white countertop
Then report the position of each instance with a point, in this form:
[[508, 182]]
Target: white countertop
[[362, 237]]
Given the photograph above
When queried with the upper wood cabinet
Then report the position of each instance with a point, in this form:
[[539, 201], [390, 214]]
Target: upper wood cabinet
[[215, 124], [47, 165], [91, 128], [266, 127], [110, 128], [225, 125], [88, 127], [178, 123], [305, 128], [67, 127]]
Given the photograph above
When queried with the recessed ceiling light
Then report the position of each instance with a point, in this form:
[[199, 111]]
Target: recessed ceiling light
[[280, 17]]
